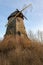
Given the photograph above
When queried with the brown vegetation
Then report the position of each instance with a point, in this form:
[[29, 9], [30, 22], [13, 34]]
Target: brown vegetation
[[15, 50]]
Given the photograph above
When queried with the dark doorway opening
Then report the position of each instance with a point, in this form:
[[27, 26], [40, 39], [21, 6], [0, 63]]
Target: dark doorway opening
[[19, 33]]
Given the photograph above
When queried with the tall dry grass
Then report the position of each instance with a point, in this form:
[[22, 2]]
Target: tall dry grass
[[16, 50]]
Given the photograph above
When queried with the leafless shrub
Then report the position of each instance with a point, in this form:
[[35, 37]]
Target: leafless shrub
[[20, 51]]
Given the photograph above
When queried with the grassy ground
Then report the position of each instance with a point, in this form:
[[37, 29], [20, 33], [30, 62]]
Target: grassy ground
[[16, 50]]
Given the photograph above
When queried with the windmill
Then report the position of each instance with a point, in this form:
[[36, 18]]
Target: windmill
[[15, 23]]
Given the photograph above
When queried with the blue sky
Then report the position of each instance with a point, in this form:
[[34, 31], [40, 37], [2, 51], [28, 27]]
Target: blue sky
[[35, 17]]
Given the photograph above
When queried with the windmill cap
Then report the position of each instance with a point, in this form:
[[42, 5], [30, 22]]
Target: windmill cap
[[15, 13]]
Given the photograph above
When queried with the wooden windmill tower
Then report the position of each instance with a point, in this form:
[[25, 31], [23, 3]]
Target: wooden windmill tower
[[15, 24]]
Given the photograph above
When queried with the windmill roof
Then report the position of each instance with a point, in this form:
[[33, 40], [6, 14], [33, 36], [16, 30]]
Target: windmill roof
[[14, 14]]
